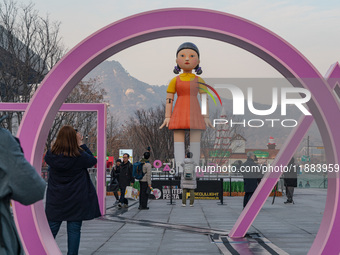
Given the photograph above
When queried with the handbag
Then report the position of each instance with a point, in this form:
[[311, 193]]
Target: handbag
[[131, 192], [113, 186]]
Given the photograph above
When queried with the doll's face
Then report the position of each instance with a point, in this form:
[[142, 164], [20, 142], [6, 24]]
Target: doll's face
[[187, 59]]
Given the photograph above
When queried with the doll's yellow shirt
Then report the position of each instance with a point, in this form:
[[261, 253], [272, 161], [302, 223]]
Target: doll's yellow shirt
[[184, 77]]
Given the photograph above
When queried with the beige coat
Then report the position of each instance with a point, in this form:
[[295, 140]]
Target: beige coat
[[147, 173]]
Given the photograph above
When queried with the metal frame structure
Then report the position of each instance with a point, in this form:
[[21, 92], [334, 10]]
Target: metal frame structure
[[324, 106]]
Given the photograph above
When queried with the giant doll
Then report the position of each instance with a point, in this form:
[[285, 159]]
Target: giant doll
[[186, 114]]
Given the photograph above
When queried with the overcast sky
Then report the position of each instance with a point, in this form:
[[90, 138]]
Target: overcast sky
[[310, 26]]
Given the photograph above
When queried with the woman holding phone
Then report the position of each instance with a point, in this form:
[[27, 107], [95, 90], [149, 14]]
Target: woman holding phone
[[71, 195]]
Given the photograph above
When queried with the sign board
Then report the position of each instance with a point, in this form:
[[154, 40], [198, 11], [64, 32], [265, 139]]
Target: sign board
[[261, 154], [207, 190], [219, 153], [128, 151]]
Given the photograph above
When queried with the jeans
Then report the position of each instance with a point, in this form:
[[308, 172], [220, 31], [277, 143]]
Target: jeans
[[289, 193], [73, 234], [122, 199], [192, 196], [143, 196], [115, 193]]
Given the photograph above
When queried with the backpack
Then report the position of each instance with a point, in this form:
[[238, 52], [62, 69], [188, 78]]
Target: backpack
[[137, 170], [188, 171]]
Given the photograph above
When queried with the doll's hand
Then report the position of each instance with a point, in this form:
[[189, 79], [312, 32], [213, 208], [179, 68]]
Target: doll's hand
[[165, 123], [208, 122]]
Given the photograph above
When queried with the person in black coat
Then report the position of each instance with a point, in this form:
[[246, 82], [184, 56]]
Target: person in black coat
[[125, 179], [71, 195], [115, 172], [251, 175], [290, 180]]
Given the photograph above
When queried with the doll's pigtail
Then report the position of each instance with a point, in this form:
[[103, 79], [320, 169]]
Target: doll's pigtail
[[198, 70], [177, 69]]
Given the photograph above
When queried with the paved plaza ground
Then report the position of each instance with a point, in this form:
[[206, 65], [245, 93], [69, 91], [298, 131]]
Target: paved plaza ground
[[173, 229]]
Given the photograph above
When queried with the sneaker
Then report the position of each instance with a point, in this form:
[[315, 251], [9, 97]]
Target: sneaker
[[287, 202], [125, 206], [119, 205], [184, 205], [191, 205], [116, 203]]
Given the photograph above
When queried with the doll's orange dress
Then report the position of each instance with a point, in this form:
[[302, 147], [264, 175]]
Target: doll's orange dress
[[187, 110]]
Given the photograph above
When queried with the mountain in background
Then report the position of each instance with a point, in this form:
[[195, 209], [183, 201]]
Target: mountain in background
[[126, 94]]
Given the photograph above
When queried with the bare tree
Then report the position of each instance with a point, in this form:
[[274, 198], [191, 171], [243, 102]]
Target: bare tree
[[113, 135], [142, 131], [30, 46], [85, 122]]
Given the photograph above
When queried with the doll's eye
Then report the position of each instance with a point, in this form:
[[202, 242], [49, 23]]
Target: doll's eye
[[182, 55], [192, 56]]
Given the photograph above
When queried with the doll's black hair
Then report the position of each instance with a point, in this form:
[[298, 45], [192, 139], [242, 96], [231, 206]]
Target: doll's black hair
[[191, 46], [188, 45]]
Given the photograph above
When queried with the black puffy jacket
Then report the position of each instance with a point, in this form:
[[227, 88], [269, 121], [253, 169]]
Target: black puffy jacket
[[71, 195], [125, 176]]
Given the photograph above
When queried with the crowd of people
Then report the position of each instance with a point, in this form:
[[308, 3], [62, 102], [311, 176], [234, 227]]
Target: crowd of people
[[71, 196]]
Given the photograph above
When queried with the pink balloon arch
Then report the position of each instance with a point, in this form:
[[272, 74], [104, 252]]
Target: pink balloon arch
[[324, 106]]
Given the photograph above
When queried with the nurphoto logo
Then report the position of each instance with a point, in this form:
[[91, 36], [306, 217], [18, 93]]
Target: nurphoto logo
[[238, 99]]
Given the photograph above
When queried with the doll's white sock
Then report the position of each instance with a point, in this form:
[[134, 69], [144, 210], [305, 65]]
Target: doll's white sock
[[195, 148], [179, 155]]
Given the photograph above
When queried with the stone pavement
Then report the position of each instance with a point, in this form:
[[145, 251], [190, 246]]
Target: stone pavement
[[173, 229]]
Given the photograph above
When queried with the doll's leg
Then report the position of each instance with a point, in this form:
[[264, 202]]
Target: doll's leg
[[179, 149], [195, 145]]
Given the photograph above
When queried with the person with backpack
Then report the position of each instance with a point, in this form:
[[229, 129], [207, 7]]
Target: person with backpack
[[188, 179], [125, 179], [145, 182], [19, 181]]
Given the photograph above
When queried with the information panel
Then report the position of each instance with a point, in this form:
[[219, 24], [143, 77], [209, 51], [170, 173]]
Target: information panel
[[209, 189]]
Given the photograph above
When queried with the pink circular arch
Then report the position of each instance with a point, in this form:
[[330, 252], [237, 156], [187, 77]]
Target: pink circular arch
[[31, 220]]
